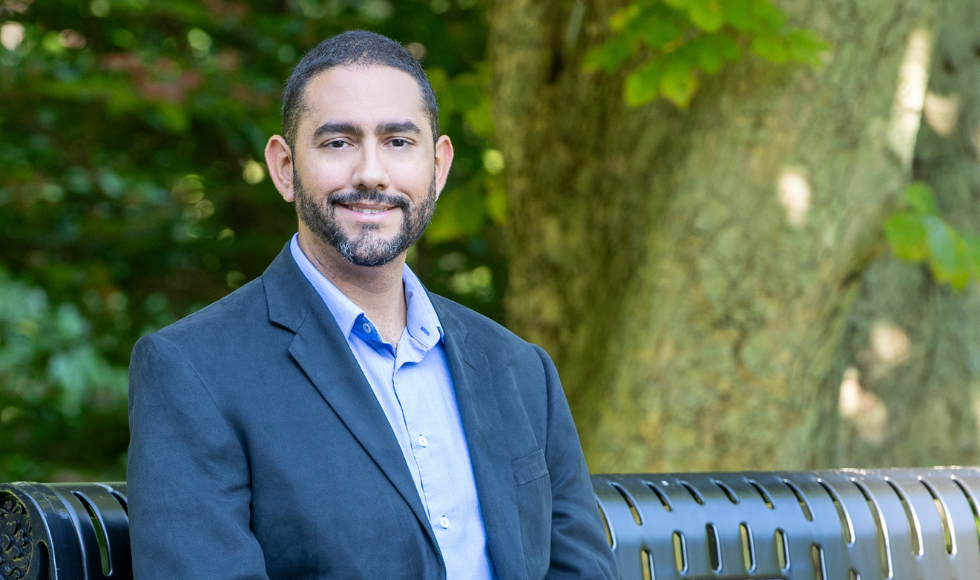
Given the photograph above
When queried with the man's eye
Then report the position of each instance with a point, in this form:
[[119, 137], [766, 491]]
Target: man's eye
[[336, 144], [399, 143]]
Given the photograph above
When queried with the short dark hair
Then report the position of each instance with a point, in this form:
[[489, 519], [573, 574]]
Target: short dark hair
[[354, 47]]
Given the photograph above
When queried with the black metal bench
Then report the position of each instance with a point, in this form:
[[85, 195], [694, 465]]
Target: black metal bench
[[821, 525]]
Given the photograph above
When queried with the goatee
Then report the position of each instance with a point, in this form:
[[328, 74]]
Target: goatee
[[366, 247]]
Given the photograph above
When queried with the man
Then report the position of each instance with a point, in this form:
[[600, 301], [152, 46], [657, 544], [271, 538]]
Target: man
[[331, 419]]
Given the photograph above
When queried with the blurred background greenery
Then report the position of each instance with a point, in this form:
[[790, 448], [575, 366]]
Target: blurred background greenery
[[629, 137], [132, 192]]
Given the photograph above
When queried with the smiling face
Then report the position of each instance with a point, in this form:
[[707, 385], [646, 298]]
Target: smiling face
[[364, 171]]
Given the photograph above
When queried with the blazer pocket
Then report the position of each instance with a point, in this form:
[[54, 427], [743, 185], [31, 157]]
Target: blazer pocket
[[529, 467]]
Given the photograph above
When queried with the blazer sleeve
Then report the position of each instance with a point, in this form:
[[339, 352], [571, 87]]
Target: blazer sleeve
[[188, 476], [579, 549]]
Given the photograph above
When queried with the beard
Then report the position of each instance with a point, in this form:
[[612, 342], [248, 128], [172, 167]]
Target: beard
[[367, 247]]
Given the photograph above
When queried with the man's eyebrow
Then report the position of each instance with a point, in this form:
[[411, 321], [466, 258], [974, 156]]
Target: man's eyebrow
[[334, 128], [397, 127]]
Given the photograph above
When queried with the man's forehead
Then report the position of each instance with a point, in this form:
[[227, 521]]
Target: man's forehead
[[369, 92]]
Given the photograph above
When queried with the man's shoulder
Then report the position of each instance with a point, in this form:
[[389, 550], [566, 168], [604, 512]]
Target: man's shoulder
[[493, 335]]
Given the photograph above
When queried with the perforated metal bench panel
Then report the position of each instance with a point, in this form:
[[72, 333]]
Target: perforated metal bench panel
[[64, 531], [822, 525], [833, 525]]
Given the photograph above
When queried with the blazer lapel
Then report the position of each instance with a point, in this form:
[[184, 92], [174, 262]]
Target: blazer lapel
[[321, 350], [484, 428]]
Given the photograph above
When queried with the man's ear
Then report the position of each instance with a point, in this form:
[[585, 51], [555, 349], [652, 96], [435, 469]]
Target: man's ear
[[279, 158], [444, 160]]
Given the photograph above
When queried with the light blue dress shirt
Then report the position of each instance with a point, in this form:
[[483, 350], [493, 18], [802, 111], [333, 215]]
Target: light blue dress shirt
[[415, 390]]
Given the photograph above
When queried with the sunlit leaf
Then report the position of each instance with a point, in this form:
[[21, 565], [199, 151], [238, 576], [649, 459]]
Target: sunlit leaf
[[806, 46], [706, 15], [625, 16], [765, 17], [643, 84], [948, 252], [496, 202], [736, 13], [479, 120], [658, 32], [610, 54], [460, 212], [172, 117], [921, 197], [706, 33], [679, 82], [705, 52], [682, 5], [724, 45], [438, 78], [907, 237], [771, 48]]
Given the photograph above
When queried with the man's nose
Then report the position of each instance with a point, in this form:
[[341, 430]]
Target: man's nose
[[370, 172]]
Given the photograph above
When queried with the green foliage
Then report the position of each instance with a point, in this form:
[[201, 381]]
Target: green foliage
[[50, 352], [132, 189], [683, 41], [921, 235]]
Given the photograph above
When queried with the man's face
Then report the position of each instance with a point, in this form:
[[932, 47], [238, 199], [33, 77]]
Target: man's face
[[365, 176]]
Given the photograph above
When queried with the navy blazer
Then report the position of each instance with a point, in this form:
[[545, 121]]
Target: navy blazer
[[258, 450]]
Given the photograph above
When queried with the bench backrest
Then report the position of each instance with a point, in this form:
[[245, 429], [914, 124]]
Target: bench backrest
[[914, 524], [821, 525]]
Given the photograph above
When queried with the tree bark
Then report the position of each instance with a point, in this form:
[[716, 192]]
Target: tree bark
[[911, 345], [691, 272]]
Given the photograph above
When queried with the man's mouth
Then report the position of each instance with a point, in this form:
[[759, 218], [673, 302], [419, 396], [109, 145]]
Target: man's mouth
[[367, 209]]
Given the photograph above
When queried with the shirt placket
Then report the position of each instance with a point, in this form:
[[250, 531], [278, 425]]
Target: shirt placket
[[424, 434]]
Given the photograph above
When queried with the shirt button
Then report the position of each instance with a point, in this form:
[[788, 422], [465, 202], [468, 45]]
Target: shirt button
[[367, 328], [423, 441], [445, 522]]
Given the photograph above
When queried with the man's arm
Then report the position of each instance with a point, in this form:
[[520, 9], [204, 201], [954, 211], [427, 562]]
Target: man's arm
[[579, 549], [188, 477]]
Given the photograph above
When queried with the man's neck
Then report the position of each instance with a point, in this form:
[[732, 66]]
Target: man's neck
[[378, 290]]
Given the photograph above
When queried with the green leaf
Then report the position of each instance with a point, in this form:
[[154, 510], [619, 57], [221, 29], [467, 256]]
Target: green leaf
[[479, 120], [643, 84], [806, 46], [496, 202], [624, 17], [907, 237], [736, 13], [608, 55], [172, 117], [764, 18], [460, 212], [680, 5], [679, 82], [650, 15], [710, 52], [921, 197], [706, 15], [948, 252], [659, 31], [726, 46], [770, 48]]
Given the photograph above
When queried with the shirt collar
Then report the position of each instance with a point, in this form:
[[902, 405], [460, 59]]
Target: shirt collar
[[423, 322]]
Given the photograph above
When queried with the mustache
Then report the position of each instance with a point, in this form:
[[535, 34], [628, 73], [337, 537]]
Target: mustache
[[368, 195]]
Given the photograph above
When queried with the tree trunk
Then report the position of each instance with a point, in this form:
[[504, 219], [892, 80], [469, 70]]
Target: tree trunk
[[691, 272], [911, 347]]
